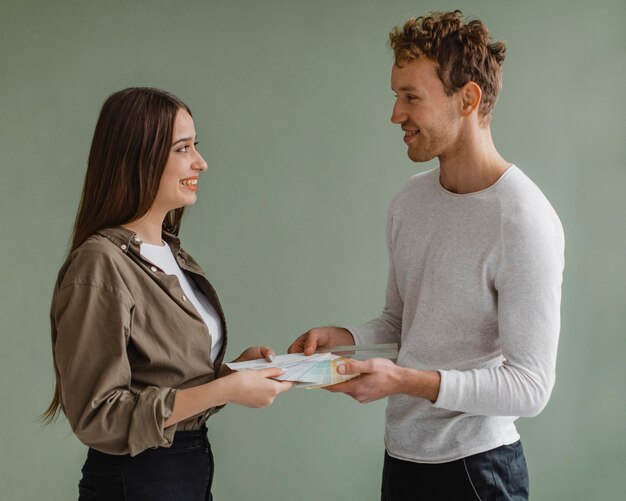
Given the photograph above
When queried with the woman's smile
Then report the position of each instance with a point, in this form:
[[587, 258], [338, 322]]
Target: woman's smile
[[190, 183]]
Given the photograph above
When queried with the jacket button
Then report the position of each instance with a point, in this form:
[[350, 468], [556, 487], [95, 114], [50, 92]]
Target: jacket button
[[123, 247], [184, 298], [153, 268]]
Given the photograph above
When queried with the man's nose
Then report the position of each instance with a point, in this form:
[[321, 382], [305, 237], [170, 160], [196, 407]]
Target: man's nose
[[397, 115]]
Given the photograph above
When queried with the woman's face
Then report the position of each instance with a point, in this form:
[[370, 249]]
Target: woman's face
[[179, 181]]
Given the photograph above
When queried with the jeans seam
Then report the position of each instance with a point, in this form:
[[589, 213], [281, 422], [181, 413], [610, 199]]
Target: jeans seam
[[209, 452], [470, 479], [124, 485]]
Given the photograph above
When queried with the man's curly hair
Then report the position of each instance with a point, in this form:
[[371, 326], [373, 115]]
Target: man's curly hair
[[463, 52]]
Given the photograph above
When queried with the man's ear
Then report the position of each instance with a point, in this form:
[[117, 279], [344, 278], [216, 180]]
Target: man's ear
[[471, 94]]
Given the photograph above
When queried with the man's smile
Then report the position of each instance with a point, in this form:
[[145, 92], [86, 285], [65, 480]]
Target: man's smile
[[410, 135]]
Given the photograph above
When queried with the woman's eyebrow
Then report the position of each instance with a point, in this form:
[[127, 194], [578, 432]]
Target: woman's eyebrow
[[183, 140]]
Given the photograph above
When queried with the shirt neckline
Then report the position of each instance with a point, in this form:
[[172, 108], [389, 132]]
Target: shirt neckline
[[153, 246], [505, 174]]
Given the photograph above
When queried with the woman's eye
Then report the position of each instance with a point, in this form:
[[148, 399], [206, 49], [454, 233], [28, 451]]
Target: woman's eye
[[185, 148]]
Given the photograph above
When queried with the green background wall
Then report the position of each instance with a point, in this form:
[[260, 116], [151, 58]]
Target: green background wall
[[292, 103]]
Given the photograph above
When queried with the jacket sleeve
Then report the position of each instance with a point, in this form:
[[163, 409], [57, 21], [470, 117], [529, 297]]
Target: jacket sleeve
[[93, 326]]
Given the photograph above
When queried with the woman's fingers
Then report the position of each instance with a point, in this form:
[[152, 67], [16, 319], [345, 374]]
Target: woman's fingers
[[284, 385], [270, 373], [256, 352], [267, 353]]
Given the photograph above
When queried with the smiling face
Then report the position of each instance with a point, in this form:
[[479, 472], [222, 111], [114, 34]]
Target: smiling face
[[429, 118], [179, 181]]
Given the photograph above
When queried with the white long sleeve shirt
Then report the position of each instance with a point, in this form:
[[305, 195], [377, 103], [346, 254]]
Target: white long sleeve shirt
[[474, 292]]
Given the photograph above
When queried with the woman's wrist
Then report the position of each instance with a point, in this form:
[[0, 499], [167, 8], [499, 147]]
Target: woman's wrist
[[224, 371]]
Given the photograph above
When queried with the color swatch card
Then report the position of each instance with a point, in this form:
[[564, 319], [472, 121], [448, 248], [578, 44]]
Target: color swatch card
[[314, 371]]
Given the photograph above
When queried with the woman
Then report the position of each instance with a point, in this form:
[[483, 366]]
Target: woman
[[138, 333]]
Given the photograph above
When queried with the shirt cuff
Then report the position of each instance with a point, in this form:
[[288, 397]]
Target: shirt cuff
[[360, 335], [154, 406], [450, 390]]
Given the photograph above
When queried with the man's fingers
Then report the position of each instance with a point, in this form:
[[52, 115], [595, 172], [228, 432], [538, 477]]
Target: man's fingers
[[354, 367], [310, 343], [298, 345], [345, 387]]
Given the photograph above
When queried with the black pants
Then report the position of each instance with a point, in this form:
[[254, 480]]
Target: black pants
[[498, 474], [182, 472]]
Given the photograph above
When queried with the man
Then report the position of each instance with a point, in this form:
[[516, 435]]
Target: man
[[473, 296]]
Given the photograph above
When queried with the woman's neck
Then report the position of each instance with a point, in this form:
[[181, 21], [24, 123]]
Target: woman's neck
[[147, 228]]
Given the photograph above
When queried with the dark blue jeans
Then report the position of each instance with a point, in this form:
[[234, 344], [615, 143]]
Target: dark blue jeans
[[182, 472], [496, 475]]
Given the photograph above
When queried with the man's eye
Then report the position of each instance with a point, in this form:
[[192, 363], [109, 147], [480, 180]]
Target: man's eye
[[409, 97]]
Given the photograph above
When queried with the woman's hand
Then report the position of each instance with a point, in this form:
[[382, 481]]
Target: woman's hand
[[248, 388], [252, 353], [256, 352], [254, 388]]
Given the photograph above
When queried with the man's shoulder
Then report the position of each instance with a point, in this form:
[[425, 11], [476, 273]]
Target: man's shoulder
[[423, 180], [519, 193], [417, 187], [524, 207]]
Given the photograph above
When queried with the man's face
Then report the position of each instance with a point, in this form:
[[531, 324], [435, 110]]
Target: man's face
[[428, 117]]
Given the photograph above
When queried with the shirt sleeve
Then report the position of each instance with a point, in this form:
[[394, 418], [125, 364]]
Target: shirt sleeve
[[528, 285], [386, 328], [93, 326]]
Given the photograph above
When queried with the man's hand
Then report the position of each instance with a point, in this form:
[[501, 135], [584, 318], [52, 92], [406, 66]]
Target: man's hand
[[380, 378], [321, 337]]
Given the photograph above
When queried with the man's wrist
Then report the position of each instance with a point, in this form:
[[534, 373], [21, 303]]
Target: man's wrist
[[342, 336], [418, 383]]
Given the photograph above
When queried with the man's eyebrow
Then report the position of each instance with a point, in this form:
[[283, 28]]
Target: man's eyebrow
[[405, 88], [183, 140]]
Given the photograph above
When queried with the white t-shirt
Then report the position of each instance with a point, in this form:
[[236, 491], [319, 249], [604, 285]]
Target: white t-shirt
[[162, 257]]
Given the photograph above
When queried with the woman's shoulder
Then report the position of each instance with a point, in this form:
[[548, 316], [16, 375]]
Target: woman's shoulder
[[96, 251], [97, 261]]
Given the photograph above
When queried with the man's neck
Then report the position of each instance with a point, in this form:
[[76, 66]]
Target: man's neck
[[474, 166]]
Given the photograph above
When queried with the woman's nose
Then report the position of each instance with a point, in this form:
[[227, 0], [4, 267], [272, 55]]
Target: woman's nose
[[200, 163]]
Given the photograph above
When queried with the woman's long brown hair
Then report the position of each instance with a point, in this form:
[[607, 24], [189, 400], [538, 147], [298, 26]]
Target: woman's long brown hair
[[129, 150]]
